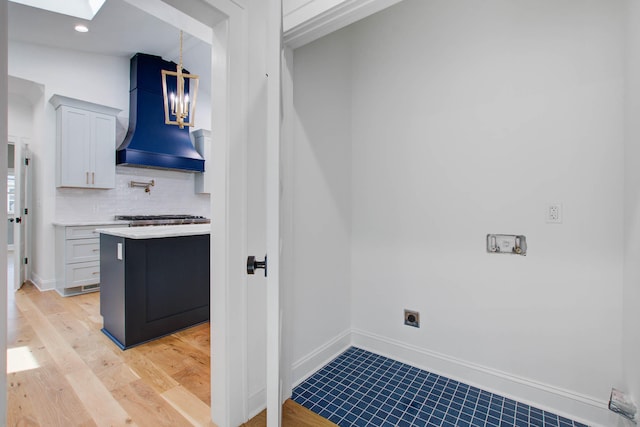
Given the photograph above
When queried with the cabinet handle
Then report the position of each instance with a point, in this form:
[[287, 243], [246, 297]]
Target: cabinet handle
[[95, 273], [93, 177], [87, 177], [96, 250]]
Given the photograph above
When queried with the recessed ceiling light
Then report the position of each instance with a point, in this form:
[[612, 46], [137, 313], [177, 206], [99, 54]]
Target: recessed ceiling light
[[81, 28]]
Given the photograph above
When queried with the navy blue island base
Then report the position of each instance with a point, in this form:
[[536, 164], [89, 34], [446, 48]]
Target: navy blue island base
[[158, 287]]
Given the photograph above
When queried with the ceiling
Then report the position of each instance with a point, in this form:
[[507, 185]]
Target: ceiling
[[118, 29]]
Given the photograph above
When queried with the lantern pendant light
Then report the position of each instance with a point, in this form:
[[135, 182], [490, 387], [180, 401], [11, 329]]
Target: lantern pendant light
[[179, 109]]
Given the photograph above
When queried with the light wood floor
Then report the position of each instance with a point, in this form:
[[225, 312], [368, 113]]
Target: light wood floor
[[64, 372]]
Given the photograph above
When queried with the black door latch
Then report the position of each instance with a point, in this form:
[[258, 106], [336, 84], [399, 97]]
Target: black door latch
[[253, 264]]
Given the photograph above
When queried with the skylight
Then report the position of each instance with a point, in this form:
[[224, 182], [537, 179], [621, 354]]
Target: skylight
[[84, 9]]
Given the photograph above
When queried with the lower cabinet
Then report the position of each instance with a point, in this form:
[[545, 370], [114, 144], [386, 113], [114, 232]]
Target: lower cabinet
[[153, 287], [78, 258]]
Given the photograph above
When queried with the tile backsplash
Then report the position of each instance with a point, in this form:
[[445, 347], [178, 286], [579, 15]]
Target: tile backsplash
[[173, 193]]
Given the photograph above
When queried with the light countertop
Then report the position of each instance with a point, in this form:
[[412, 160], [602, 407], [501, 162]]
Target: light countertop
[[81, 223], [157, 231]]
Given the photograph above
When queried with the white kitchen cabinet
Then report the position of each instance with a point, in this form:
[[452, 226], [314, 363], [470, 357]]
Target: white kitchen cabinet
[[85, 142], [78, 258], [202, 143]]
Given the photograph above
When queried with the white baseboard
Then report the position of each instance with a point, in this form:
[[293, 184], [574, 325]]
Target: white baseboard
[[304, 367], [309, 364], [566, 403], [257, 402], [41, 284]]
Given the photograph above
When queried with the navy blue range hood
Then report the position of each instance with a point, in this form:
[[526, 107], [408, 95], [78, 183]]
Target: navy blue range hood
[[150, 142]]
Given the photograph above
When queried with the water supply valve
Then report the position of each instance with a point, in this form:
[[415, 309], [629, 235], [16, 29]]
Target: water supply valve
[[507, 244]]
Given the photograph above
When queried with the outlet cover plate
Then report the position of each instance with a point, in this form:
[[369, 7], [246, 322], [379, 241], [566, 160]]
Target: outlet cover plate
[[554, 213], [412, 318]]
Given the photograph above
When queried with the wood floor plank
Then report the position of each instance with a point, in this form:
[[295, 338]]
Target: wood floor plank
[[104, 409], [101, 404], [20, 407], [117, 376], [85, 307], [198, 336], [147, 408], [189, 405], [18, 330], [198, 379], [81, 378], [54, 402], [293, 415], [173, 355], [47, 302], [147, 370], [87, 343], [67, 359]]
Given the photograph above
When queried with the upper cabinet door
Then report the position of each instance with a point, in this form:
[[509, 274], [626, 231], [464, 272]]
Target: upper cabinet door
[[104, 159], [74, 147], [85, 139]]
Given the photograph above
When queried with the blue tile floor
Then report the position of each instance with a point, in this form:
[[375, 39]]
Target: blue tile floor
[[360, 388]]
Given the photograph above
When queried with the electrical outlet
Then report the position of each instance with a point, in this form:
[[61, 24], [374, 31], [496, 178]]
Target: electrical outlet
[[554, 213], [411, 318]]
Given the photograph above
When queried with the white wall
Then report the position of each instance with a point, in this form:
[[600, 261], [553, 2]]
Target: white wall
[[467, 119], [321, 195], [102, 80], [631, 295], [20, 116]]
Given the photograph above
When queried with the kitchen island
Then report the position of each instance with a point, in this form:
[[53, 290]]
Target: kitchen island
[[154, 281]]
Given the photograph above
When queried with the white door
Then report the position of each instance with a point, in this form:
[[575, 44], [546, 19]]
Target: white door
[[18, 210], [21, 214], [271, 263], [274, 120], [23, 193]]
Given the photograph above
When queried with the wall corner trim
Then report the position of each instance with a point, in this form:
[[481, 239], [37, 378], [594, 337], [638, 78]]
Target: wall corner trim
[[309, 22], [307, 365]]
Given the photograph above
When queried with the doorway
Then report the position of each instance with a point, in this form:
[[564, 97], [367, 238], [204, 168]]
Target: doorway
[[18, 210], [229, 70], [11, 187]]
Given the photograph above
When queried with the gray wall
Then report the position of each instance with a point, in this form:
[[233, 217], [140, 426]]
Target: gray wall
[[631, 294]]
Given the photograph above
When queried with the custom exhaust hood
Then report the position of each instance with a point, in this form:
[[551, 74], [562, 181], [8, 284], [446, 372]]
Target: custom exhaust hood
[[151, 143]]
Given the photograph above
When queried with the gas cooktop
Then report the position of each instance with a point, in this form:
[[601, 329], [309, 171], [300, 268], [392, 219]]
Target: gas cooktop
[[140, 220]]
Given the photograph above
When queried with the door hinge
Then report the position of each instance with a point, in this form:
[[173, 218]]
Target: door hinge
[[26, 211], [26, 260], [26, 161]]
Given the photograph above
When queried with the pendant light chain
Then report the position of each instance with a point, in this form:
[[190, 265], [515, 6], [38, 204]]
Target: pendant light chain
[[181, 48]]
